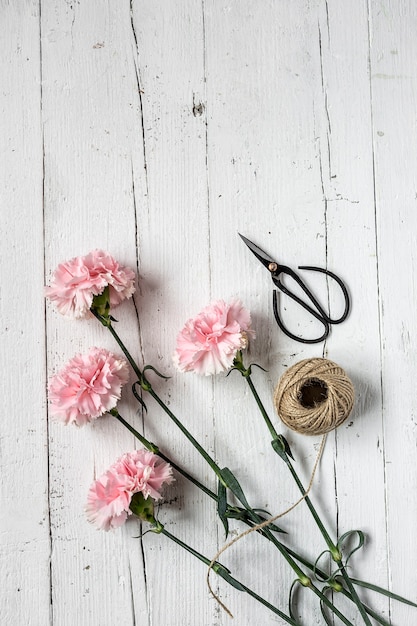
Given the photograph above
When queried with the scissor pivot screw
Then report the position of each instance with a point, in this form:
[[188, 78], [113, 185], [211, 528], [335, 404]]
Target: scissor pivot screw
[[273, 267]]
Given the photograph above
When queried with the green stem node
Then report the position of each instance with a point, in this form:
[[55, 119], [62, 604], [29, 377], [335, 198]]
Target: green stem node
[[336, 555], [336, 586]]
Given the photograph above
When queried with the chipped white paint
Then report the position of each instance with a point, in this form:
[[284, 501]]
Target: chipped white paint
[[158, 130]]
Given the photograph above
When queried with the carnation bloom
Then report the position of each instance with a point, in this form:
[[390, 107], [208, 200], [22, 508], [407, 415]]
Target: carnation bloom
[[108, 501], [110, 495], [209, 342], [88, 386], [77, 281], [146, 470]]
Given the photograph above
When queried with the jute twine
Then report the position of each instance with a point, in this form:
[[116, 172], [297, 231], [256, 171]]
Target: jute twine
[[314, 396]]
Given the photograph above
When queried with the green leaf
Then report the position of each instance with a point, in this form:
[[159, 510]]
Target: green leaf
[[144, 382], [270, 526], [222, 506], [234, 486], [222, 571], [249, 515], [327, 619], [384, 592], [258, 366], [137, 396], [347, 535], [370, 611], [281, 447], [377, 617], [151, 367], [291, 599], [238, 513], [319, 573]]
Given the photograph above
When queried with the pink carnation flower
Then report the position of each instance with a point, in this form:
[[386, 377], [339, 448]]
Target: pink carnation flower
[[88, 386], [108, 501], [110, 496], [77, 281], [147, 472], [209, 342]]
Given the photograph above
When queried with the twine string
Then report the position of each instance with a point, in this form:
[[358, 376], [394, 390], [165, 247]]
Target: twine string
[[262, 525]]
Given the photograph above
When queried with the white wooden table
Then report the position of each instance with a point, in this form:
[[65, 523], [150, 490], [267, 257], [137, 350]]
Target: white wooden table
[[158, 131]]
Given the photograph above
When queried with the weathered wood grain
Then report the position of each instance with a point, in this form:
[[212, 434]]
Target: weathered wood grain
[[24, 514], [158, 131], [394, 76]]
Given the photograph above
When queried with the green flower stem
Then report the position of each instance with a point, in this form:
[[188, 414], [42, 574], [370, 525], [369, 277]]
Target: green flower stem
[[154, 448], [354, 595], [148, 444], [216, 469], [224, 573], [334, 550], [106, 321], [331, 606], [261, 407], [304, 580]]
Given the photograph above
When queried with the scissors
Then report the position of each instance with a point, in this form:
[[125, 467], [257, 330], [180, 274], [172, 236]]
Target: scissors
[[313, 306]]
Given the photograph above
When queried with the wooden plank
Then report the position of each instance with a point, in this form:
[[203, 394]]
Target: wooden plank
[[93, 136], [173, 245], [24, 517], [393, 71], [346, 146], [264, 180]]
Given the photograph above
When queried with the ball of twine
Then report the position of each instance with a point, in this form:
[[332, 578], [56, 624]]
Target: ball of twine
[[314, 396]]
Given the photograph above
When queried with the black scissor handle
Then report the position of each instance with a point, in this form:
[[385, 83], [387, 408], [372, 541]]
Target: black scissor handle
[[314, 313], [342, 286], [318, 312]]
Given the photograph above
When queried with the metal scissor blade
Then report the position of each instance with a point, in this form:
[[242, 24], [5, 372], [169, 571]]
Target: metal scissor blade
[[260, 254]]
